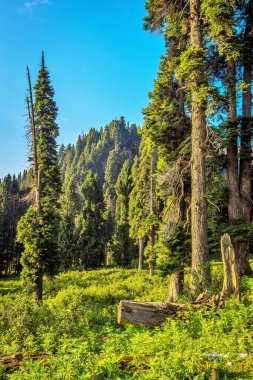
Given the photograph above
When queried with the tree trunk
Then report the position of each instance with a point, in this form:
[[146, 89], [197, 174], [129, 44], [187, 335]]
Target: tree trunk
[[200, 253], [141, 253], [152, 211], [231, 278], [38, 289], [176, 286], [246, 138], [239, 184], [105, 256], [234, 205], [151, 269]]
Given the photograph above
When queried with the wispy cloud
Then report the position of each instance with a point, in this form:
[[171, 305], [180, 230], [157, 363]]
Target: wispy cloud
[[28, 5]]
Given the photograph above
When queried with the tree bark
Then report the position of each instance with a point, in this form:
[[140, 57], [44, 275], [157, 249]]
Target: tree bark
[[231, 278], [141, 253], [176, 286], [200, 253], [234, 205], [152, 211], [38, 288], [246, 138], [239, 182]]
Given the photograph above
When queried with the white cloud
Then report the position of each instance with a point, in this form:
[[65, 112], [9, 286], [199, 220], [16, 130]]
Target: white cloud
[[35, 3]]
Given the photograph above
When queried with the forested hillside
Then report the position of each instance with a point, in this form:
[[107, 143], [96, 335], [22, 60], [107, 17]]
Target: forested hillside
[[103, 153]]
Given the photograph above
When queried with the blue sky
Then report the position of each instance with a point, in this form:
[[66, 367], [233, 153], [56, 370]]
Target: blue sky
[[102, 66]]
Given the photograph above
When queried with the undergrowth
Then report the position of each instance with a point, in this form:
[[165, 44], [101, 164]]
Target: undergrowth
[[77, 327]]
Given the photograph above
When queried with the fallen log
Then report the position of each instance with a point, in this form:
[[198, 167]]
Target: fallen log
[[150, 313], [15, 361], [154, 313]]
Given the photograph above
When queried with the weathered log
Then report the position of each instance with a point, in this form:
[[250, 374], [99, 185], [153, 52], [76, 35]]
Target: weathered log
[[150, 313], [154, 313]]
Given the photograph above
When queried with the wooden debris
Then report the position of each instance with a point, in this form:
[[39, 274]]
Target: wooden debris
[[154, 313], [15, 361], [151, 313]]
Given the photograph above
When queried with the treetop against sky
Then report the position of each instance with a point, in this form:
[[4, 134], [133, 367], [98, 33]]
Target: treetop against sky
[[102, 65]]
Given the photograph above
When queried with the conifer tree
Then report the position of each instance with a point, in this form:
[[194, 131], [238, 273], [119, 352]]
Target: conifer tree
[[90, 223], [114, 165], [143, 218], [11, 208], [186, 65], [122, 242], [67, 240], [230, 28], [196, 84], [38, 229]]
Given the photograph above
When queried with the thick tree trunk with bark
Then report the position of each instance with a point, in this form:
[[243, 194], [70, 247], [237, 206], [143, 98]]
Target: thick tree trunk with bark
[[200, 253], [239, 181], [231, 285], [246, 139], [141, 253], [234, 205], [176, 286]]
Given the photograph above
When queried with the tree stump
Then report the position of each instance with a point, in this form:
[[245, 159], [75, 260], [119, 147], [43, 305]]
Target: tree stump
[[231, 285], [176, 286]]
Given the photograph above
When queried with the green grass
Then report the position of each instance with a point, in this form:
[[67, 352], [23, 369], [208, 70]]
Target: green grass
[[77, 328]]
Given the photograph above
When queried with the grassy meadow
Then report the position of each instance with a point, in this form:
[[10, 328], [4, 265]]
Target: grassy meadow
[[76, 327]]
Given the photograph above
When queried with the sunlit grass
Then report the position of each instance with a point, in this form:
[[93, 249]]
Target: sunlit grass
[[77, 327]]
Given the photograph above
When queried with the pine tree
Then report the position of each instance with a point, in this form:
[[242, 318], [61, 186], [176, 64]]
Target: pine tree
[[11, 208], [186, 70], [67, 240], [123, 245], [38, 229], [196, 84], [143, 218], [90, 224], [230, 28]]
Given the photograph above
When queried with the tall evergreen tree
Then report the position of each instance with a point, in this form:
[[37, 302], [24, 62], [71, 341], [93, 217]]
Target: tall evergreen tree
[[38, 229], [196, 84], [182, 28], [229, 25], [143, 218], [90, 223], [67, 240], [123, 244]]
